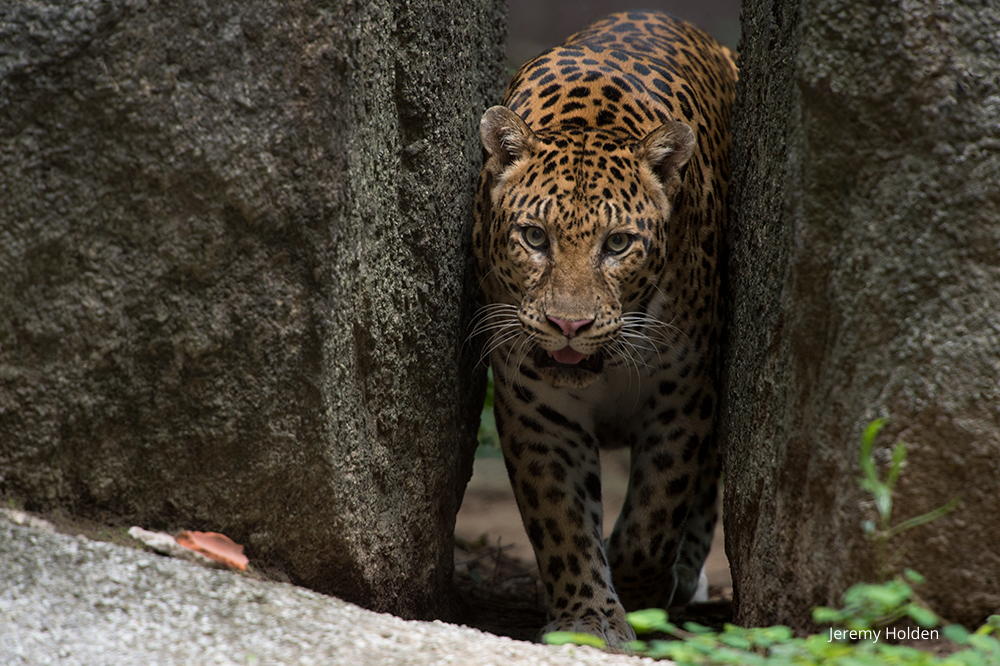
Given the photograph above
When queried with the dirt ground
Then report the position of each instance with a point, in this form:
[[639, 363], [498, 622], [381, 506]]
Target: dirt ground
[[495, 566]]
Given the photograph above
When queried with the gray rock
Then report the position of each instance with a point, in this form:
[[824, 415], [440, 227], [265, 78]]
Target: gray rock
[[865, 283], [72, 601], [233, 249]]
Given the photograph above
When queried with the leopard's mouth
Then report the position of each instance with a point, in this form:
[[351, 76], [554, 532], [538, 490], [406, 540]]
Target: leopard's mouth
[[593, 363]]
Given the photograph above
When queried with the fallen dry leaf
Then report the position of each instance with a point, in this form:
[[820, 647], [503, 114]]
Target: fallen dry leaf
[[217, 546], [166, 544]]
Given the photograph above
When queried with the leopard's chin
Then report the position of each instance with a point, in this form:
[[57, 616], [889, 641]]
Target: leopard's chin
[[576, 375]]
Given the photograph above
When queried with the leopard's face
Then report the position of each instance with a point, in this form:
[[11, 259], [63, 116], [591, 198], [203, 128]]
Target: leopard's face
[[576, 238]]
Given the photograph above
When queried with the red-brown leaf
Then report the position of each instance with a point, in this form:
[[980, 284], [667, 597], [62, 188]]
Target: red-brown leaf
[[217, 546]]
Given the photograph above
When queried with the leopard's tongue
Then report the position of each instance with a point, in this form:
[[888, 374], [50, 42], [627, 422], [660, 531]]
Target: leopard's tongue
[[567, 355]]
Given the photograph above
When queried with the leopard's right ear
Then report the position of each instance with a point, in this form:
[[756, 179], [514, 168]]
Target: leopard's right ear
[[505, 136]]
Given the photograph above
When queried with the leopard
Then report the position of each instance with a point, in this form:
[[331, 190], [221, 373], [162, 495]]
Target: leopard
[[598, 237]]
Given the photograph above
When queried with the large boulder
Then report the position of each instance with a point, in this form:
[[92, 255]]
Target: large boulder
[[234, 253], [864, 283]]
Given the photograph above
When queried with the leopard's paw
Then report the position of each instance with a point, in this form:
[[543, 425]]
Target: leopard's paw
[[613, 630]]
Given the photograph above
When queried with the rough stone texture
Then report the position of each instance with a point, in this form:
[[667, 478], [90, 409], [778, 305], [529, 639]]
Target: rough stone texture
[[865, 282], [73, 601], [234, 249]]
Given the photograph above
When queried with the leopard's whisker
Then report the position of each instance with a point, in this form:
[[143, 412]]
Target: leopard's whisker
[[499, 339]]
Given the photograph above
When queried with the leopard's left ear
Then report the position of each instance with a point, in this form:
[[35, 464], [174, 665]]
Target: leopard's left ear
[[668, 148]]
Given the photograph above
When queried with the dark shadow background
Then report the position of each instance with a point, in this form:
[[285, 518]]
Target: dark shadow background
[[536, 25]]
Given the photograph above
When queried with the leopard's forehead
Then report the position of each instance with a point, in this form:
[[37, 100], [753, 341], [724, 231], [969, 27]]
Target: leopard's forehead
[[581, 181], [583, 165]]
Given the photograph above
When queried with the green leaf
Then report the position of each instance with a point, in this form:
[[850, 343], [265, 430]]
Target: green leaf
[[664, 649], [985, 643], [871, 432], [698, 629], [956, 633], [889, 595], [872, 486], [819, 645], [916, 521], [779, 633], [651, 619], [867, 443], [488, 437], [635, 646], [914, 577], [825, 615], [868, 468], [883, 501], [901, 654], [573, 638], [735, 641], [925, 617]]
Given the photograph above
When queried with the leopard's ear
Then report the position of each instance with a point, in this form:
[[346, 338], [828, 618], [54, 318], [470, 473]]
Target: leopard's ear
[[505, 136], [666, 149]]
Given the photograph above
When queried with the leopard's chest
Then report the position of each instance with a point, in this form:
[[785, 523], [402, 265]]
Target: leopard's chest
[[655, 375]]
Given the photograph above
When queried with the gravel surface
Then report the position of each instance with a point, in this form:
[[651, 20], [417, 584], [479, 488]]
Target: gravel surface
[[70, 600]]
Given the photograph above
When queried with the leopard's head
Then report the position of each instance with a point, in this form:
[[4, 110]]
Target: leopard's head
[[575, 233]]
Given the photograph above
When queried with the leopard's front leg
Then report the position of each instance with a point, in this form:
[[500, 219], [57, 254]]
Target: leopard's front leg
[[554, 468], [659, 544]]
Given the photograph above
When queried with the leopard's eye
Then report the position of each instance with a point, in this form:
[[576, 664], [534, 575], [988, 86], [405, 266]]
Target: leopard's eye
[[617, 243], [535, 237]]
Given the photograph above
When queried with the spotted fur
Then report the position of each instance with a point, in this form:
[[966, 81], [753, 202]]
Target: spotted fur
[[600, 219]]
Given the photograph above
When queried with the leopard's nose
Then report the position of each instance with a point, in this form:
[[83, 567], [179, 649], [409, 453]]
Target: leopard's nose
[[570, 328]]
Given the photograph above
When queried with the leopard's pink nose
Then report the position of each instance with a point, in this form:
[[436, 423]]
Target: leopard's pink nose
[[570, 328]]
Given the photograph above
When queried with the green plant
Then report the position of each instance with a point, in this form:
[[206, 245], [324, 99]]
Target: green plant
[[489, 438], [881, 491], [870, 605], [777, 646], [696, 645]]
